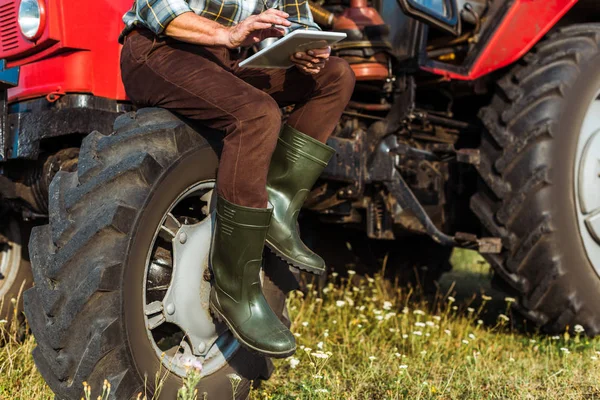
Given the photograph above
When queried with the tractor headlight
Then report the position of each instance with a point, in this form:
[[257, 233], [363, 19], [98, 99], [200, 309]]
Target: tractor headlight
[[31, 18]]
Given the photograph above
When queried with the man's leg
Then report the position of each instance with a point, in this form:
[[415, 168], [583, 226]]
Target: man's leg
[[301, 155], [195, 83], [320, 99]]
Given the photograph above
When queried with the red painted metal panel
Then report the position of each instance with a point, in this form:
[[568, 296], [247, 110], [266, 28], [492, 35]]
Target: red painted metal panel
[[526, 22], [77, 53]]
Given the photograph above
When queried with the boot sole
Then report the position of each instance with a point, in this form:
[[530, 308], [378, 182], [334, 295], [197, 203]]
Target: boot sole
[[291, 262], [221, 317]]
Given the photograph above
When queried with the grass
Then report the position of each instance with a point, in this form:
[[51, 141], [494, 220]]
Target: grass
[[365, 338]]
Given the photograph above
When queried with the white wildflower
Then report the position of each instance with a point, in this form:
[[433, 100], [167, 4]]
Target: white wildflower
[[471, 336], [417, 333], [405, 310], [470, 310], [305, 324], [479, 322], [485, 297], [555, 337], [320, 345], [594, 358], [429, 323], [465, 341], [387, 305], [578, 328], [447, 332], [437, 318], [404, 336], [503, 317], [340, 303], [390, 315], [293, 362], [564, 350], [510, 300], [420, 324], [372, 358], [418, 312], [321, 391], [379, 317], [320, 354], [451, 299], [351, 272], [403, 366]]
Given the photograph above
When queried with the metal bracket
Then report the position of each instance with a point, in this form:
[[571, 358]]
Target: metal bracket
[[408, 201]]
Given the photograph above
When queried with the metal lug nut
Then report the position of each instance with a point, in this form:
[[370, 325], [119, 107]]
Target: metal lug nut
[[182, 237], [170, 309], [201, 347]]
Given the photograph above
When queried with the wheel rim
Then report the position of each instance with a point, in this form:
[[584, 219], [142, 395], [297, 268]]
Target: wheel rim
[[10, 255], [176, 289], [587, 182]]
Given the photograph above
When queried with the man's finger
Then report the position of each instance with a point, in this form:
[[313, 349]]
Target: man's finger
[[302, 63], [320, 53], [272, 32], [311, 71], [308, 63], [306, 57], [273, 19], [258, 26], [277, 12]]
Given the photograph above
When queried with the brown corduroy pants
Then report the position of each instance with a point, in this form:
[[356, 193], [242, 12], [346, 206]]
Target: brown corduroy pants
[[205, 84]]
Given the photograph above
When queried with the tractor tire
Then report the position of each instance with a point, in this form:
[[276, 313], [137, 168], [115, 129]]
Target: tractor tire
[[533, 190], [86, 310], [15, 272]]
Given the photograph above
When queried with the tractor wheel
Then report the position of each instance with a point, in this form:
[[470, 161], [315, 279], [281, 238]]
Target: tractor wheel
[[15, 271], [121, 280], [540, 157]]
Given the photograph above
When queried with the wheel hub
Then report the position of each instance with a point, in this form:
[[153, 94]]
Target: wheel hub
[[588, 183], [202, 341], [10, 251]]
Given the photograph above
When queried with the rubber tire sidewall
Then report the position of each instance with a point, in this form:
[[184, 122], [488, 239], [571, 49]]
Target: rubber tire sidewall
[[564, 152], [198, 165]]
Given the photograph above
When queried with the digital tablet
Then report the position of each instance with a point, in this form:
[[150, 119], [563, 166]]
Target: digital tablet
[[278, 54]]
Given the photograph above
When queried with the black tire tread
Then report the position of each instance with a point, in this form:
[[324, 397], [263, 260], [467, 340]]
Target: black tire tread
[[519, 126], [74, 306]]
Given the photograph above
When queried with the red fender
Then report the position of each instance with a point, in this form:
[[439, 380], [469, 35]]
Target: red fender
[[525, 23]]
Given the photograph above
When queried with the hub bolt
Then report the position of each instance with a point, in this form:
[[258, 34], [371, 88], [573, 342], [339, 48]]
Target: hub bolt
[[182, 237], [170, 309]]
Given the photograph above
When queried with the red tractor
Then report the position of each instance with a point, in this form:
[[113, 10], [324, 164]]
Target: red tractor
[[474, 123]]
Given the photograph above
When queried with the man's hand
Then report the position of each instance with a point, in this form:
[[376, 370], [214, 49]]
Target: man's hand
[[256, 28], [312, 61]]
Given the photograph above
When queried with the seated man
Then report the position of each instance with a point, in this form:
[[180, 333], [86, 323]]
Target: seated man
[[183, 55]]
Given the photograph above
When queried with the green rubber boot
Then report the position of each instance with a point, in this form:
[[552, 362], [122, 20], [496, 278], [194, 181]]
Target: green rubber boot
[[236, 296], [297, 163]]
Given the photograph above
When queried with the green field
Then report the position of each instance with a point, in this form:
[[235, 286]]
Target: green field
[[364, 338]]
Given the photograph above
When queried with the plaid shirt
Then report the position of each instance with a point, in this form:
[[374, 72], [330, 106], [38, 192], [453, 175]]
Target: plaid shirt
[[157, 14]]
